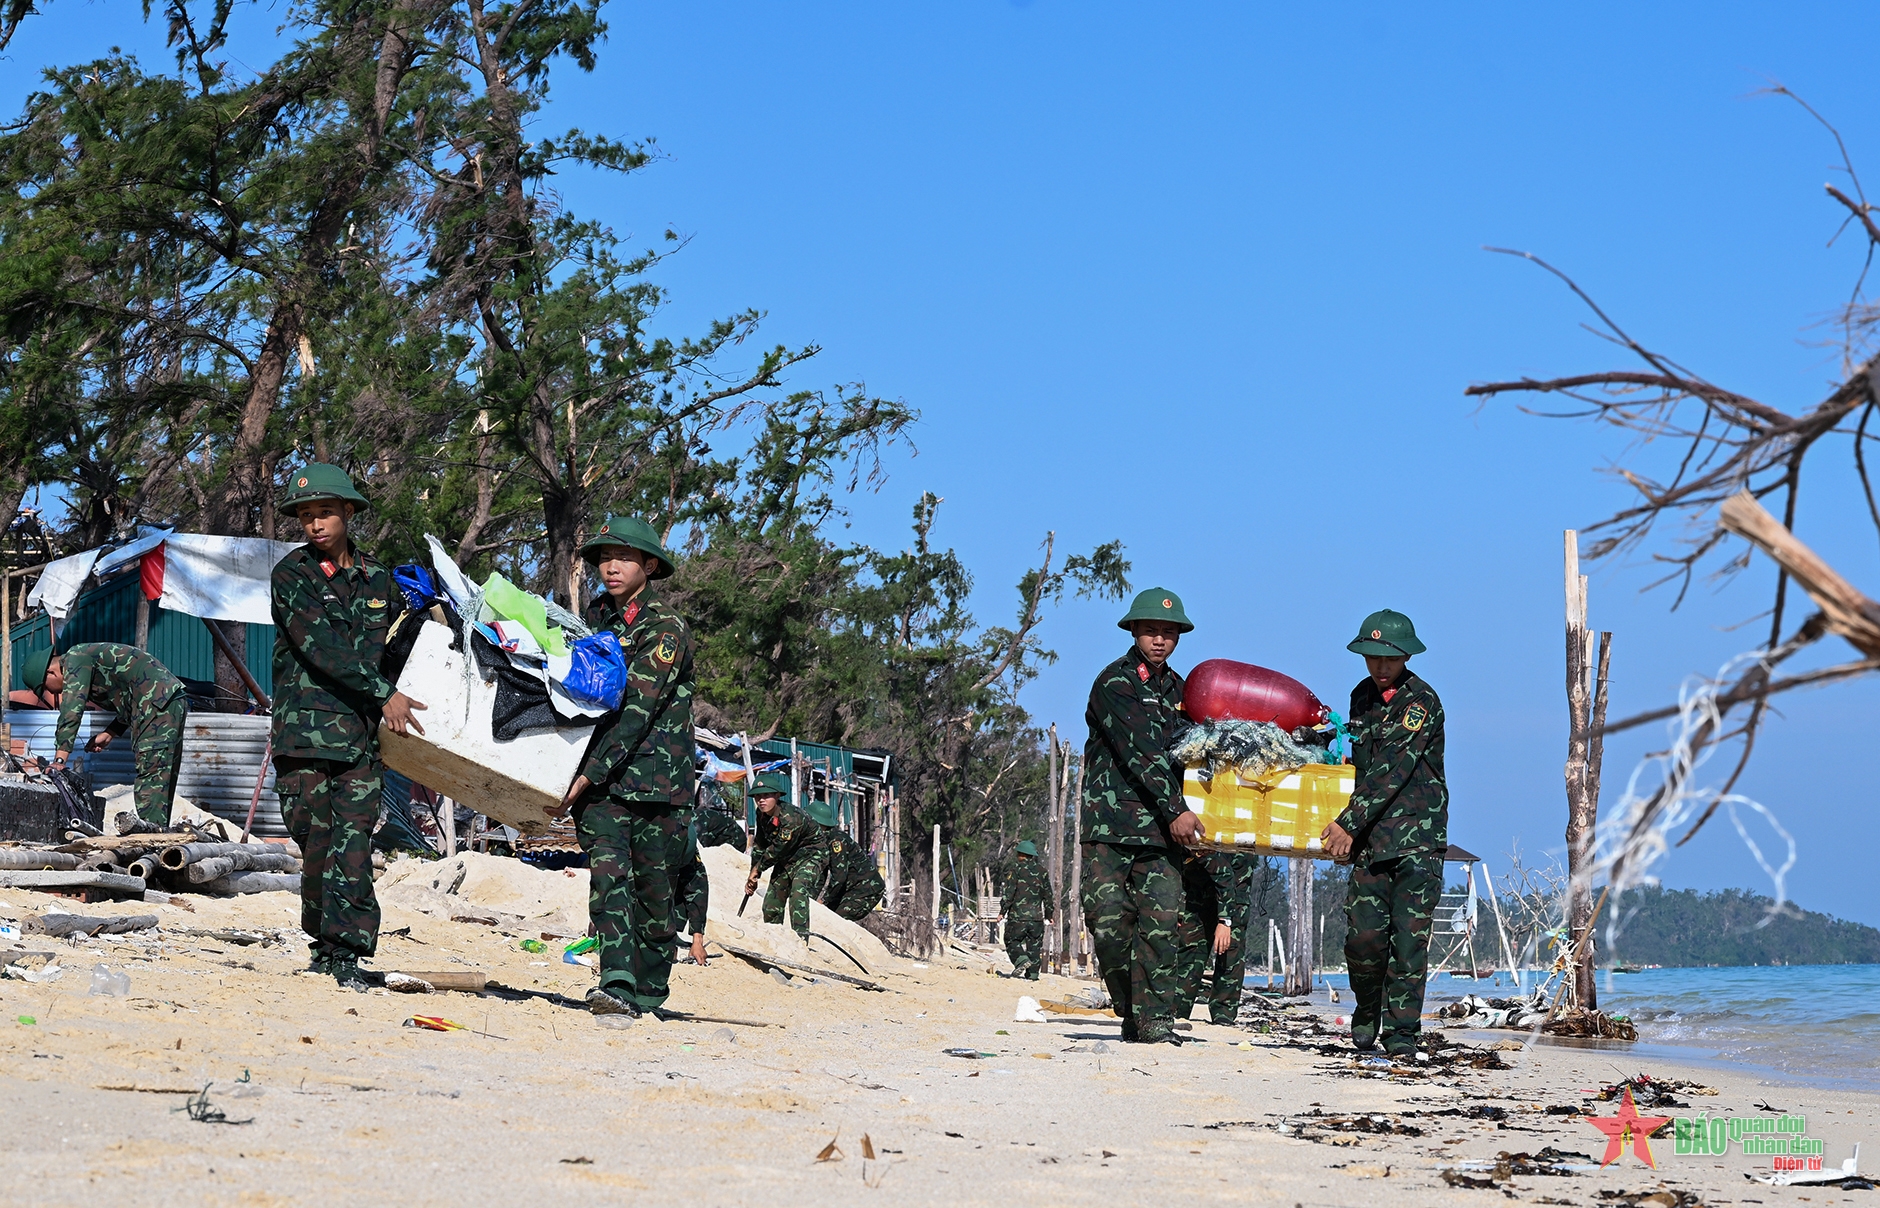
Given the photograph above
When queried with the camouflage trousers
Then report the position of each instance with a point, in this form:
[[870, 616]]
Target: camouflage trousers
[[1215, 979], [691, 896], [1132, 900], [158, 747], [791, 886], [857, 898], [330, 807], [631, 847], [1389, 910], [1024, 943]]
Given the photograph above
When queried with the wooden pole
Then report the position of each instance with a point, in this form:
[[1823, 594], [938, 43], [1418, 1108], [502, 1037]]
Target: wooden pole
[[1299, 926], [1080, 943], [1054, 861], [936, 877], [142, 633], [447, 825], [1582, 807], [6, 630]]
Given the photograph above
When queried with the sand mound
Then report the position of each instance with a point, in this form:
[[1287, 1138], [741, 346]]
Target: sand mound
[[472, 884], [727, 868], [509, 892]]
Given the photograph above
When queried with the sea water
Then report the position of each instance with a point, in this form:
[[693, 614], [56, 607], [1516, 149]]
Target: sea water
[[1812, 1023]]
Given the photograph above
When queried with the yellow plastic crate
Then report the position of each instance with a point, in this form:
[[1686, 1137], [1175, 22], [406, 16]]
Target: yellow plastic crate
[[1282, 818]]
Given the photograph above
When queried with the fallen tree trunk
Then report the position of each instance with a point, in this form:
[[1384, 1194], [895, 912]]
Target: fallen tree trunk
[[254, 882], [215, 868]]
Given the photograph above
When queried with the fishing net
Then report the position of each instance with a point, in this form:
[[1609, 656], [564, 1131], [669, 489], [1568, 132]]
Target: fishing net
[[1257, 750]]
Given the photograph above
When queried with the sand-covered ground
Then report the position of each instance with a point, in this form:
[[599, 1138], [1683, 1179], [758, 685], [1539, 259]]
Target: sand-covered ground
[[330, 1099]]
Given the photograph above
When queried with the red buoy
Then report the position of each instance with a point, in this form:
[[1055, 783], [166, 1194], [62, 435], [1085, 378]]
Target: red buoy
[[1224, 690]]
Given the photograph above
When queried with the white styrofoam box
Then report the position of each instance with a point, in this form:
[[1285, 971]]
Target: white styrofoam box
[[515, 783]]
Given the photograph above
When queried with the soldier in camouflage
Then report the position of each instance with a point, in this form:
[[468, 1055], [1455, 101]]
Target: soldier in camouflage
[[1134, 817], [691, 884], [1213, 936], [632, 800], [855, 886], [790, 843], [332, 606], [1025, 900], [1395, 833], [148, 700]]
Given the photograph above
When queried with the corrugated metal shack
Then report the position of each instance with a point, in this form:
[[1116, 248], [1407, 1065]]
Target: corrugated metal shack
[[222, 752], [108, 613]]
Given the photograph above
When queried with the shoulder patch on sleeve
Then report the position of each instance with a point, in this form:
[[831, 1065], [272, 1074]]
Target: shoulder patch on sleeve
[[1415, 717], [668, 648]]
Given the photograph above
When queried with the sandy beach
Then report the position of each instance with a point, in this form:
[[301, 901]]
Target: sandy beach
[[329, 1097]]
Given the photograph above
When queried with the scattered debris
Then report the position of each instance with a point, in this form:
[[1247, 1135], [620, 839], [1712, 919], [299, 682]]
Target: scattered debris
[[203, 1112], [1649, 1092]]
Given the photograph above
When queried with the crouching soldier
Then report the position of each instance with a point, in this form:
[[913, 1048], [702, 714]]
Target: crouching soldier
[[855, 885], [332, 606], [1395, 833], [1026, 904], [790, 844], [149, 703], [632, 800]]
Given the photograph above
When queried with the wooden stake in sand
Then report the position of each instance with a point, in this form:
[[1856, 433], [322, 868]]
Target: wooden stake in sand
[[1586, 719]]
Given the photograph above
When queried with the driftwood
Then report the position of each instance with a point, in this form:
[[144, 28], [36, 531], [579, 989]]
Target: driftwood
[[765, 962], [26, 859], [81, 924], [468, 981]]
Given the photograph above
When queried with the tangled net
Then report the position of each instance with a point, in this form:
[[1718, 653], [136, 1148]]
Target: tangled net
[[1257, 750]]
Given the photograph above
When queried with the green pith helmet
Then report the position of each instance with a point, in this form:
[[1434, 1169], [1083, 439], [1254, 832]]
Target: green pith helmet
[[317, 480], [1387, 634], [1157, 604], [1026, 848], [33, 670], [633, 533], [771, 784], [820, 811]]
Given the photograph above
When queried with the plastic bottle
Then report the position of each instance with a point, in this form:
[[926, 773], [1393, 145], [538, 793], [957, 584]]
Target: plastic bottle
[[1222, 689], [113, 985]]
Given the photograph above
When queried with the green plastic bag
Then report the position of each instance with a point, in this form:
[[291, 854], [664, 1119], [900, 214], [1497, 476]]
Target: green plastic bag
[[513, 604]]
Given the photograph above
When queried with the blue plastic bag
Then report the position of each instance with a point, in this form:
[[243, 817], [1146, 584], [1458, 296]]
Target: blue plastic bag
[[597, 673], [415, 582]]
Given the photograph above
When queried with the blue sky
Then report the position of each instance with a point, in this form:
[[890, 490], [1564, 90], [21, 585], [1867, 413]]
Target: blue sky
[[1209, 279]]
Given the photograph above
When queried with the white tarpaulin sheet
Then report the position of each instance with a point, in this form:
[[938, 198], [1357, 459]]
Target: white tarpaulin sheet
[[221, 577], [225, 578], [59, 583]]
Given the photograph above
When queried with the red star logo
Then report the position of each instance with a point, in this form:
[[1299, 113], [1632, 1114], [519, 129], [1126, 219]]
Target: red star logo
[[1628, 1126]]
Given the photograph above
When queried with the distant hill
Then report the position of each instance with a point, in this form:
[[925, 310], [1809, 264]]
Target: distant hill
[[1684, 927]]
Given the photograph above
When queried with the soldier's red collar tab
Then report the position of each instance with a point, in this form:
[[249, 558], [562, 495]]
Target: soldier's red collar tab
[[1142, 670], [631, 612], [327, 565]]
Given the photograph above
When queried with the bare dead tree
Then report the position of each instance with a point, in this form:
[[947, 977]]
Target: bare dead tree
[[1732, 445]]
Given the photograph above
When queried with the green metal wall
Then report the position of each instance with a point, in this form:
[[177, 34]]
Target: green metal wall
[[108, 613]]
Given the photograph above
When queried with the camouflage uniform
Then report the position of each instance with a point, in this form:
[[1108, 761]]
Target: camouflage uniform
[[1132, 792], [1027, 903], [1399, 820], [691, 884], [790, 842], [148, 701], [855, 885], [329, 631], [1219, 889], [633, 821]]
